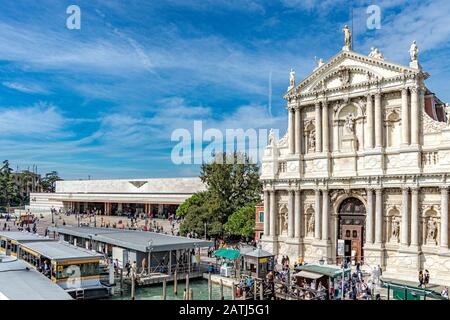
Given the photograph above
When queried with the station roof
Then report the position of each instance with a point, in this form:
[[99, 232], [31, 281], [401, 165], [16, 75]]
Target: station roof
[[17, 282], [57, 251], [133, 239], [22, 236]]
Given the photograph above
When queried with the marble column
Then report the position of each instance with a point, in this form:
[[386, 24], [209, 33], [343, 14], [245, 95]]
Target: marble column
[[415, 215], [291, 129], [317, 214], [291, 214], [370, 122], [444, 218], [335, 136], [298, 208], [379, 121], [273, 214], [415, 115], [379, 216], [325, 127], [318, 128], [369, 218], [405, 217], [266, 213], [405, 117], [298, 131], [325, 214]]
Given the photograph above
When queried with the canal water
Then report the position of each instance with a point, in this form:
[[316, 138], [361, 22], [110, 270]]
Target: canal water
[[154, 292]]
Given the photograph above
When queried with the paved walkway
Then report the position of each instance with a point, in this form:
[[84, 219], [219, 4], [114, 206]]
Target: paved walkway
[[71, 220]]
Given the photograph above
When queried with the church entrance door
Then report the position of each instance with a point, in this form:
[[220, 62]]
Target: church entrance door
[[352, 216]]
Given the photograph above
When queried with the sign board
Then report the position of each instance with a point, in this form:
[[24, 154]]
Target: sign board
[[341, 247], [263, 260]]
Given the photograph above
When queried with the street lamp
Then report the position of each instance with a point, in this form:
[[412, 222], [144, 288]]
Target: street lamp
[[205, 228]]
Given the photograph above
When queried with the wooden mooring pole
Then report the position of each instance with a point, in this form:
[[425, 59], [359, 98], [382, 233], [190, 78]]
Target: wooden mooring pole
[[132, 286], [164, 289], [191, 294], [121, 282], [175, 283], [187, 286], [255, 290], [233, 291], [261, 290], [221, 289], [209, 287]]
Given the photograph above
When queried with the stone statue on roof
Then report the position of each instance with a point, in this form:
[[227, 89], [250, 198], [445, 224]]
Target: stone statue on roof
[[292, 78], [414, 51], [347, 38]]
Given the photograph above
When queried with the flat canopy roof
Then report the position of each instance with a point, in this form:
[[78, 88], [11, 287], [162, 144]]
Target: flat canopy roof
[[22, 236], [327, 270], [309, 275], [132, 239], [17, 282], [55, 250]]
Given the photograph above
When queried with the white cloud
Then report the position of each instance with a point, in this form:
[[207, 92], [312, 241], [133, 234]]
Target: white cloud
[[25, 87], [41, 119]]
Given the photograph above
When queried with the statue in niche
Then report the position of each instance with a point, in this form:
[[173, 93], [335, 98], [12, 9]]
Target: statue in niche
[[283, 220], [312, 139], [285, 226], [344, 76], [432, 229], [395, 228], [350, 123], [311, 224], [271, 137], [414, 51]]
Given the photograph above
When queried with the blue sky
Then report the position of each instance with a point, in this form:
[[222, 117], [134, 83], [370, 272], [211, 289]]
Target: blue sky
[[104, 100]]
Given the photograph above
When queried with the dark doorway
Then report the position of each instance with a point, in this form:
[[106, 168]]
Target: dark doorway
[[351, 231]]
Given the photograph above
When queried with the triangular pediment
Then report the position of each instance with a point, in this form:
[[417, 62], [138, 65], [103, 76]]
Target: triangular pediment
[[349, 69], [138, 184]]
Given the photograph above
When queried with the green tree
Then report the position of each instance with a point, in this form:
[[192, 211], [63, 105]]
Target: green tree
[[232, 182], [197, 199], [49, 181], [242, 222], [201, 217], [27, 178], [7, 187]]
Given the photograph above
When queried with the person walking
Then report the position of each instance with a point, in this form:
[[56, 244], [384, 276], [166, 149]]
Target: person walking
[[426, 277], [421, 279], [444, 292], [128, 268]]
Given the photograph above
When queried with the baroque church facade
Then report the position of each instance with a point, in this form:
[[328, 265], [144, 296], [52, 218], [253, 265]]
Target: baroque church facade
[[363, 171]]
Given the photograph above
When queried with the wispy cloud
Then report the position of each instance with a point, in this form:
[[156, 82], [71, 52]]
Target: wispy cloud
[[25, 87], [41, 119]]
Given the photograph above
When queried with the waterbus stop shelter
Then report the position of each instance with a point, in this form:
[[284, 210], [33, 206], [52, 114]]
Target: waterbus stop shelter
[[258, 262], [159, 253]]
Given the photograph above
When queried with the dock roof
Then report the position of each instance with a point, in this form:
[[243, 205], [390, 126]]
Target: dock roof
[[57, 251], [133, 239], [17, 282], [22, 236]]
